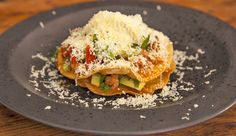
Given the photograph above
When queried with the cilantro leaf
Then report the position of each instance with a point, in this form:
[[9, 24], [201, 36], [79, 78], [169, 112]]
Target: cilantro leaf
[[105, 87], [134, 45], [145, 42], [95, 38]]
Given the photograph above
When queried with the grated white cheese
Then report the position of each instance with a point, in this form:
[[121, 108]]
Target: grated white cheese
[[210, 72], [198, 67], [41, 24], [189, 68], [40, 56], [158, 7], [142, 101], [201, 51], [145, 12], [185, 118], [142, 117], [29, 95], [48, 108], [33, 81], [54, 12], [115, 36], [195, 105]]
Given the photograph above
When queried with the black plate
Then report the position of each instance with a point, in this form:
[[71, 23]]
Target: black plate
[[189, 27]]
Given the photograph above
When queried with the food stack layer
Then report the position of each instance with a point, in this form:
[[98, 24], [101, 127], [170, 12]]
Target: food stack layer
[[115, 53]]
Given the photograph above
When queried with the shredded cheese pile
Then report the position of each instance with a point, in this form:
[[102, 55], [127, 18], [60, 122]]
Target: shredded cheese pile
[[115, 39]]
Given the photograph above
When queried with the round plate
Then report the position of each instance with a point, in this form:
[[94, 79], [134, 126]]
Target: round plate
[[189, 27]]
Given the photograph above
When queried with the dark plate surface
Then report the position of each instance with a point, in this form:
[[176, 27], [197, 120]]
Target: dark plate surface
[[189, 27]]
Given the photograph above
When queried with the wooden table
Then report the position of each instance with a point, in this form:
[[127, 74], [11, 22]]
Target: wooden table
[[14, 11]]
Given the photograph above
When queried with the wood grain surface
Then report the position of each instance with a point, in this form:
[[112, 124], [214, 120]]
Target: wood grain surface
[[14, 11]]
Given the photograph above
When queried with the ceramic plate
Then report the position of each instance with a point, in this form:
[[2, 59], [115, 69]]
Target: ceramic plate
[[190, 30]]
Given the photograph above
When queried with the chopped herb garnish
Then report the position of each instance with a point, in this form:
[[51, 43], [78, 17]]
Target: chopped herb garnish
[[66, 67], [102, 78], [136, 83], [145, 42], [107, 48], [111, 55], [95, 38], [118, 57], [134, 45], [105, 87], [96, 52]]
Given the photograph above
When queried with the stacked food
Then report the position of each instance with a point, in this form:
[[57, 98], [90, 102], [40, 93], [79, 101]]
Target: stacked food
[[115, 53]]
